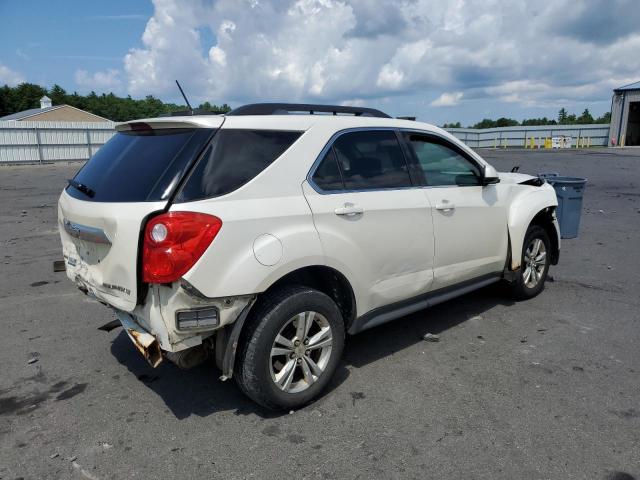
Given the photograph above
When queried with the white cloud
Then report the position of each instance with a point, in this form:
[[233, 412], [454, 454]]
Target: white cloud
[[447, 99], [9, 77], [331, 50], [107, 80], [218, 56]]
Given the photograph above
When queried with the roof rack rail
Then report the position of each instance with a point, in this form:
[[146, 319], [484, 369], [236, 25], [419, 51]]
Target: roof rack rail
[[189, 113], [308, 108]]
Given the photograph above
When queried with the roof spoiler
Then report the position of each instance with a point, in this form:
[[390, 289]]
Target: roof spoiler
[[212, 121], [304, 108]]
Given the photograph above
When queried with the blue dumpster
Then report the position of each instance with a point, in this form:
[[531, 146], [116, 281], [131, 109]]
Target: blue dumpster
[[569, 191]]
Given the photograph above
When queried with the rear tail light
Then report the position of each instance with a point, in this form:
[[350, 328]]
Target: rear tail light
[[173, 243]]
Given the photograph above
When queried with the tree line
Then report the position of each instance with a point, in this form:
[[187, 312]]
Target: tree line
[[564, 118], [119, 109]]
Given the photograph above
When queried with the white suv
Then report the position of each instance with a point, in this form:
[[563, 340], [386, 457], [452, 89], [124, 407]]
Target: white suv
[[260, 237]]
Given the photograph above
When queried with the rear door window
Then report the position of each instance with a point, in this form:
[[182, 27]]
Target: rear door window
[[371, 160], [234, 158], [139, 166]]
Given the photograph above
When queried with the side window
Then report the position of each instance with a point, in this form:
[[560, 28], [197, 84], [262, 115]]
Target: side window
[[327, 175], [234, 158], [371, 160], [443, 165]]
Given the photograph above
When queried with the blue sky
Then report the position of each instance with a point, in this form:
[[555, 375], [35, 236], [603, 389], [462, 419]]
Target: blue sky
[[442, 60], [48, 41]]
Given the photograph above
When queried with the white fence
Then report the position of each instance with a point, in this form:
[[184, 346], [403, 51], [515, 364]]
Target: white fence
[[38, 142], [598, 135]]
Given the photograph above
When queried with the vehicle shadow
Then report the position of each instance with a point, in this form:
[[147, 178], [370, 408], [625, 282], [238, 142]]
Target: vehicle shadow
[[199, 392], [379, 342]]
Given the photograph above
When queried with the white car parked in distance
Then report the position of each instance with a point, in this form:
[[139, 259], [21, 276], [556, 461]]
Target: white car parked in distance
[[263, 236]]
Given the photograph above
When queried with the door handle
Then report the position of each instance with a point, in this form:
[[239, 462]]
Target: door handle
[[349, 210], [445, 207]]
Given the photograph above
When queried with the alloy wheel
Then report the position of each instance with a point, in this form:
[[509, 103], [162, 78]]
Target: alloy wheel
[[535, 261], [301, 351]]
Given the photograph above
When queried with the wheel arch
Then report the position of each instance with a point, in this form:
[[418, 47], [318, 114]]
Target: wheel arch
[[325, 279], [536, 207]]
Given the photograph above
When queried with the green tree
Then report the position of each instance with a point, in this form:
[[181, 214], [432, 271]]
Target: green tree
[[108, 105], [506, 122], [586, 117], [58, 95], [606, 118], [538, 121], [562, 116], [6, 108], [25, 96], [485, 123]]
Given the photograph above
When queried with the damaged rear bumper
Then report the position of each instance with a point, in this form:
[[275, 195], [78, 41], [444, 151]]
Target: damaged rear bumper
[[144, 342]]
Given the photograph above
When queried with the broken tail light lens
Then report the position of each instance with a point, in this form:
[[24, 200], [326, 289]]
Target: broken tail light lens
[[174, 242]]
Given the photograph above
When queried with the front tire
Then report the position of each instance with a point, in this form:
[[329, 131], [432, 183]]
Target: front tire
[[290, 348], [534, 266]]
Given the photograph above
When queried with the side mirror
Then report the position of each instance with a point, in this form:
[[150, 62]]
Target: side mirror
[[490, 176]]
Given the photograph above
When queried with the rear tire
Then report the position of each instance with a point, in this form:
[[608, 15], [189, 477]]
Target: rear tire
[[290, 347], [534, 264]]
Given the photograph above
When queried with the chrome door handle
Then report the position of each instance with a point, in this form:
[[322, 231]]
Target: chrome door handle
[[445, 207], [349, 210]]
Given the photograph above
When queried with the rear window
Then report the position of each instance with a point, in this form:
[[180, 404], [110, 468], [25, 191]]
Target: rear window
[[138, 166], [233, 159]]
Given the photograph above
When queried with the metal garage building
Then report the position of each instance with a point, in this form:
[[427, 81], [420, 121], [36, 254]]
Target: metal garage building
[[625, 116]]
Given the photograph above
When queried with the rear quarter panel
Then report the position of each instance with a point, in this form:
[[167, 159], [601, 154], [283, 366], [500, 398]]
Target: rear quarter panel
[[272, 204], [230, 266]]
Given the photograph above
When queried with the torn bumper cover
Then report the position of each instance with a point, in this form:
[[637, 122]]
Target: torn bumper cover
[[146, 343]]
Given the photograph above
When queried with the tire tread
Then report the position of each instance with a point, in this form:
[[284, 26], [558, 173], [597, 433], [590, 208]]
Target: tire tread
[[247, 362]]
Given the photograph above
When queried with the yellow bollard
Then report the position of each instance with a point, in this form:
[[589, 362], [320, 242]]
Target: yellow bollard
[[504, 143], [532, 143], [588, 141]]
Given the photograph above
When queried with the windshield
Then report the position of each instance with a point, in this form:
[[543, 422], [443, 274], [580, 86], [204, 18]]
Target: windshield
[[139, 166]]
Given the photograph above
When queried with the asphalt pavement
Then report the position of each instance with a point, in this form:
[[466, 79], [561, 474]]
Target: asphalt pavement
[[543, 389]]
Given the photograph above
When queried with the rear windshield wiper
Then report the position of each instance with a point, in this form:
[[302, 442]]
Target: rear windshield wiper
[[81, 187]]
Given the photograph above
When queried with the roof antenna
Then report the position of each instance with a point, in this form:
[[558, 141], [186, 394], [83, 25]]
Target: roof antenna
[[185, 97]]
